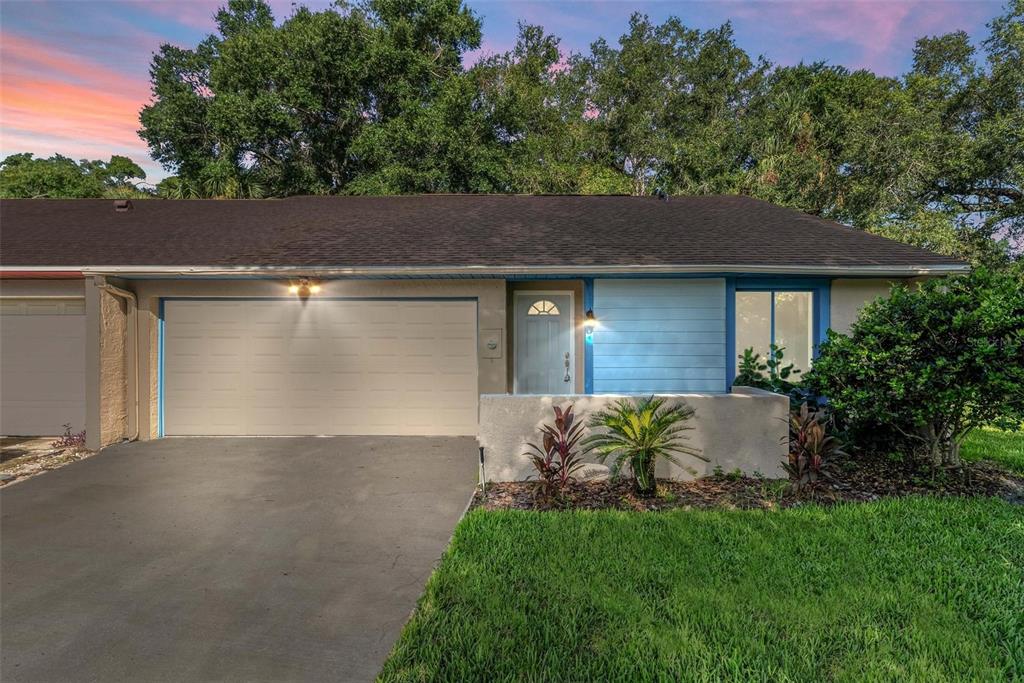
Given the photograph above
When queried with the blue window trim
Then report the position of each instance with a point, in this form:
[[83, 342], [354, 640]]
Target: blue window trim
[[160, 372], [588, 340], [730, 332], [821, 288]]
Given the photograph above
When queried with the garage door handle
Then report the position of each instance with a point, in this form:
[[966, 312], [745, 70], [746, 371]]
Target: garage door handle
[[566, 367]]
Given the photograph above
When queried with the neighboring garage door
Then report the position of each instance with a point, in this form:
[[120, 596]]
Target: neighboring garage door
[[287, 367], [42, 365]]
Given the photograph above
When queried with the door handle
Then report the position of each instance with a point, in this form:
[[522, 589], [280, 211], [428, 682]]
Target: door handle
[[567, 379]]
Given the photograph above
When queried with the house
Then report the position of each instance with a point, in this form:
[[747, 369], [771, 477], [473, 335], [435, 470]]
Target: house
[[393, 315]]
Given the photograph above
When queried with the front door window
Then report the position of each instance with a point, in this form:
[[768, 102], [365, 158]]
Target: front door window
[[784, 318]]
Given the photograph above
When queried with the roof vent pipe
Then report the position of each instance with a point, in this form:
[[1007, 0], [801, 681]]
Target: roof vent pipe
[[123, 205]]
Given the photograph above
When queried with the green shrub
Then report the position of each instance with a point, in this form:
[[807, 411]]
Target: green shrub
[[636, 435], [769, 374], [924, 367], [772, 374]]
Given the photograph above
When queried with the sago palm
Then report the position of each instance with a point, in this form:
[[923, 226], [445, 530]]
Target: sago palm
[[634, 435]]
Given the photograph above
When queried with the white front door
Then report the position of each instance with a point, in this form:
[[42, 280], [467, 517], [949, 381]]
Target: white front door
[[544, 343]]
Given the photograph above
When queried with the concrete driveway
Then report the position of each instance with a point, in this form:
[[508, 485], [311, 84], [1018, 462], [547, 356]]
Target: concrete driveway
[[228, 559]]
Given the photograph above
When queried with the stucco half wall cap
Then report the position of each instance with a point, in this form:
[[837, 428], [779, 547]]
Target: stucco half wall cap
[[909, 270]]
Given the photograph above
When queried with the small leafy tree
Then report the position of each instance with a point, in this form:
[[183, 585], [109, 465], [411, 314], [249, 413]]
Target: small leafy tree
[[927, 365], [22, 176], [636, 435]]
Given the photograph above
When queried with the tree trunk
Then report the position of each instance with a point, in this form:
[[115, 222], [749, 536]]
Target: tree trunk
[[943, 449], [951, 456], [646, 484], [932, 444]]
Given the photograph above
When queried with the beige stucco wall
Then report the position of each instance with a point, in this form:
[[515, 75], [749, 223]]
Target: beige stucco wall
[[560, 286], [746, 429], [849, 296], [490, 295], [106, 355], [106, 365], [113, 370]]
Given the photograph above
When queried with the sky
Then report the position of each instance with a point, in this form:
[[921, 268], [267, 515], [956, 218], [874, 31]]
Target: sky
[[74, 73]]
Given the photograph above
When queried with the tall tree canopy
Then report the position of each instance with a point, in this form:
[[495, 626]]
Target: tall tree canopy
[[280, 106], [373, 98]]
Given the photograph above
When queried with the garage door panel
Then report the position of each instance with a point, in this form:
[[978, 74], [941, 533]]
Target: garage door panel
[[42, 366], [41, 385], [42, 418], [188, 381], [321, 367], [456, 347], [230, 384], [196, 346], [420, 317]]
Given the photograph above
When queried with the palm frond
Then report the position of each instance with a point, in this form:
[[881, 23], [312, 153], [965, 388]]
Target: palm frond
[[634, 435]]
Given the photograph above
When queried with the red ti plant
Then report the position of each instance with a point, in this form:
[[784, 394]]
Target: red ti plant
[[558, 458], [811, 447], [76, 442]]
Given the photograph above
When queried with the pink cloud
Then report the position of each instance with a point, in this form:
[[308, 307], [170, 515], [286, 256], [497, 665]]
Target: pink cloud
[[487, 49], [52, 107], [594, 21], [196, 14], [879, 31], [562, 65], [77, 105], [22, 55]]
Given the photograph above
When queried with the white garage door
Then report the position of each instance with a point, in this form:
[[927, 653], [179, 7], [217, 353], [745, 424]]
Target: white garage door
[[42, 366], [286, 367]]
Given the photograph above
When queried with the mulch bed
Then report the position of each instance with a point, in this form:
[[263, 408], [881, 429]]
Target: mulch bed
[[867, 480]]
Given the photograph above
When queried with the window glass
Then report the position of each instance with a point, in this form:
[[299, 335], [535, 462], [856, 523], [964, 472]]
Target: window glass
[[753, 322], [794, 328], [543, 307]]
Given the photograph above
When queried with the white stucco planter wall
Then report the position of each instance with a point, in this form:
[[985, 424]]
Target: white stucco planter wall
[[745, 429]]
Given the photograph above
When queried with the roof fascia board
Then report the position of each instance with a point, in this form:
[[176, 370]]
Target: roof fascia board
[[909, 270]]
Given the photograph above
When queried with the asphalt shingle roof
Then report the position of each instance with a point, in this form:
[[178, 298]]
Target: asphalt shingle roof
[[438, 230]]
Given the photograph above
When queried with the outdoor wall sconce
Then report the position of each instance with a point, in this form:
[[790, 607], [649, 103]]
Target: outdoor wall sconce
[[304, 288], [589, 323]]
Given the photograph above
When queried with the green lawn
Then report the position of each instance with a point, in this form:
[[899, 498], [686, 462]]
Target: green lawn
[[912, 589], [1004, 448]]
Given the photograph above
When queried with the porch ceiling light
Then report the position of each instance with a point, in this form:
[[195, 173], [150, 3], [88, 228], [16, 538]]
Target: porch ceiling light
[[304, 288]]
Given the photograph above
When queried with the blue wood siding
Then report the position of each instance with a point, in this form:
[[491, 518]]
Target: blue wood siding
[[659, 336]]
